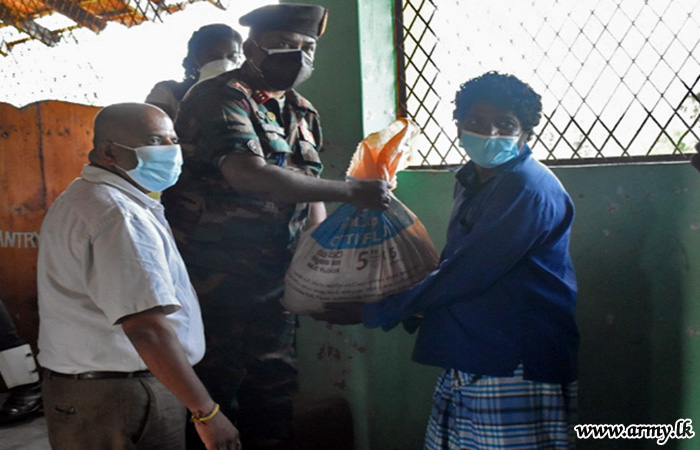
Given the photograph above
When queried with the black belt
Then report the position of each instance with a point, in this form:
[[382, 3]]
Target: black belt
[[99, 375]]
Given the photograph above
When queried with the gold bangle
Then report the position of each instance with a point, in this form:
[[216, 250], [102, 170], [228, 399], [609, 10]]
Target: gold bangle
[[195, 418]]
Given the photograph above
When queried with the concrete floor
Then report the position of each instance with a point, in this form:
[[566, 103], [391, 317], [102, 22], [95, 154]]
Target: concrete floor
[[27, 435]]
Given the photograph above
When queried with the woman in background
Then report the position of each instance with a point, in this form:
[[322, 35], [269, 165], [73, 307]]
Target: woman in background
[[212, 50]]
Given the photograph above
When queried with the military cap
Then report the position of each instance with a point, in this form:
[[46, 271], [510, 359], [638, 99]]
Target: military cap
[[305, 19]]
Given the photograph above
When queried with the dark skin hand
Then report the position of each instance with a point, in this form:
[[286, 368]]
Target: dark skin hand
[[157, 344], [345, 313], [695, 159]]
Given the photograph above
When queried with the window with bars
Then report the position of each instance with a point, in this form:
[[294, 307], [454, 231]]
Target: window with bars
[[619, 79]]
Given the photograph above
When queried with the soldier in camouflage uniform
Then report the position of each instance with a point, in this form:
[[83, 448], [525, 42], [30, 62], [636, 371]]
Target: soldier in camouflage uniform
[[250, 185]]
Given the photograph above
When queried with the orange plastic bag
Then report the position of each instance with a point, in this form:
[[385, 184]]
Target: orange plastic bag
[[383, 154], [363, 255]]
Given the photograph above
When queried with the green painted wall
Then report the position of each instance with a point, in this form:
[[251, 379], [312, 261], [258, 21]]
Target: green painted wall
[[636, 247], [353, 85], [335, 85], [635, 243]]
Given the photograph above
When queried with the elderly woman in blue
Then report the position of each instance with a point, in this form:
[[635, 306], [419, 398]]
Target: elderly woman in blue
[[498, 312]]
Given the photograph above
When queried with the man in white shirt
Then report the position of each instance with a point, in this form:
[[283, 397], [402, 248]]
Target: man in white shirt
[[120, 325]]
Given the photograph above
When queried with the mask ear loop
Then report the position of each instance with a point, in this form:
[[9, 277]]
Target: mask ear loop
[[139, 162], [252, 64]]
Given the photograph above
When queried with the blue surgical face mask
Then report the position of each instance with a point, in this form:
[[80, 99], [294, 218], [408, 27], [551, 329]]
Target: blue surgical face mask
[[158, 167], [489, 151]]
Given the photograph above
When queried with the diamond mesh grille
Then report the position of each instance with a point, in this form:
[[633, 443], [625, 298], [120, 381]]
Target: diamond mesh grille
[[619, 79]]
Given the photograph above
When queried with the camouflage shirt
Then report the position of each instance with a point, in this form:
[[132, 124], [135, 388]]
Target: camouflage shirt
[[221, 230]]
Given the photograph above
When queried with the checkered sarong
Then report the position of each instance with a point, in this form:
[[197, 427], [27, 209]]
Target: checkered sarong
[[472, 412]]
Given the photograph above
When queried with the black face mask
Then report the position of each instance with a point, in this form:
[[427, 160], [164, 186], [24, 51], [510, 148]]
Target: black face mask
[[285, 69]]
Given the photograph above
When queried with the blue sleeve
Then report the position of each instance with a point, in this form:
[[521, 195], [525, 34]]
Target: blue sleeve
[[512, 221]]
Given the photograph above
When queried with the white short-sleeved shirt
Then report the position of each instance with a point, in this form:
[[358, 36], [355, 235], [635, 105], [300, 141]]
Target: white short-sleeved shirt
[[106, 252]]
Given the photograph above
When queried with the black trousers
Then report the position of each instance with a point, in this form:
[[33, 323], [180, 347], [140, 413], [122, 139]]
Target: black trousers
[[249, 366], [8, 333]]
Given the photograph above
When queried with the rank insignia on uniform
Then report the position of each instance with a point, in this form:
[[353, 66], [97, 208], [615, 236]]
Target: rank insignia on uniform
[[260, 96], [307, 135], [271, 116]]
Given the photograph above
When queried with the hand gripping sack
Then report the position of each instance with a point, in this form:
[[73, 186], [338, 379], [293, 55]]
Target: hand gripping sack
[[365, 255]]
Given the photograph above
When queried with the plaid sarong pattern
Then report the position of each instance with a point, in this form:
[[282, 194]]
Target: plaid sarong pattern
[[473, 412]]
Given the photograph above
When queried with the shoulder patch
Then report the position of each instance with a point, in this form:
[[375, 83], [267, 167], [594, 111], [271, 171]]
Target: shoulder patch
[[240, 86], [304, 103], [300, 102]]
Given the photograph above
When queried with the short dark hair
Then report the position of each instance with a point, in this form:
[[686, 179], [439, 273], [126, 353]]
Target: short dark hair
[[203, 38], [503, 91]]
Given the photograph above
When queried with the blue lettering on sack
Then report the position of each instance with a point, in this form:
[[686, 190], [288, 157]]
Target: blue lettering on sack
[[349, 227]]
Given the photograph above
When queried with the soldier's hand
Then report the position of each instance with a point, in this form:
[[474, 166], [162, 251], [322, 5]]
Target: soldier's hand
[[695, 159], [370, 194], [218, 433]]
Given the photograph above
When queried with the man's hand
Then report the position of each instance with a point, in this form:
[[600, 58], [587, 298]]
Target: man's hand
[[370, 194], [218, 433], [695, 159], [252, 175], [345, 313], [157, 344]]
